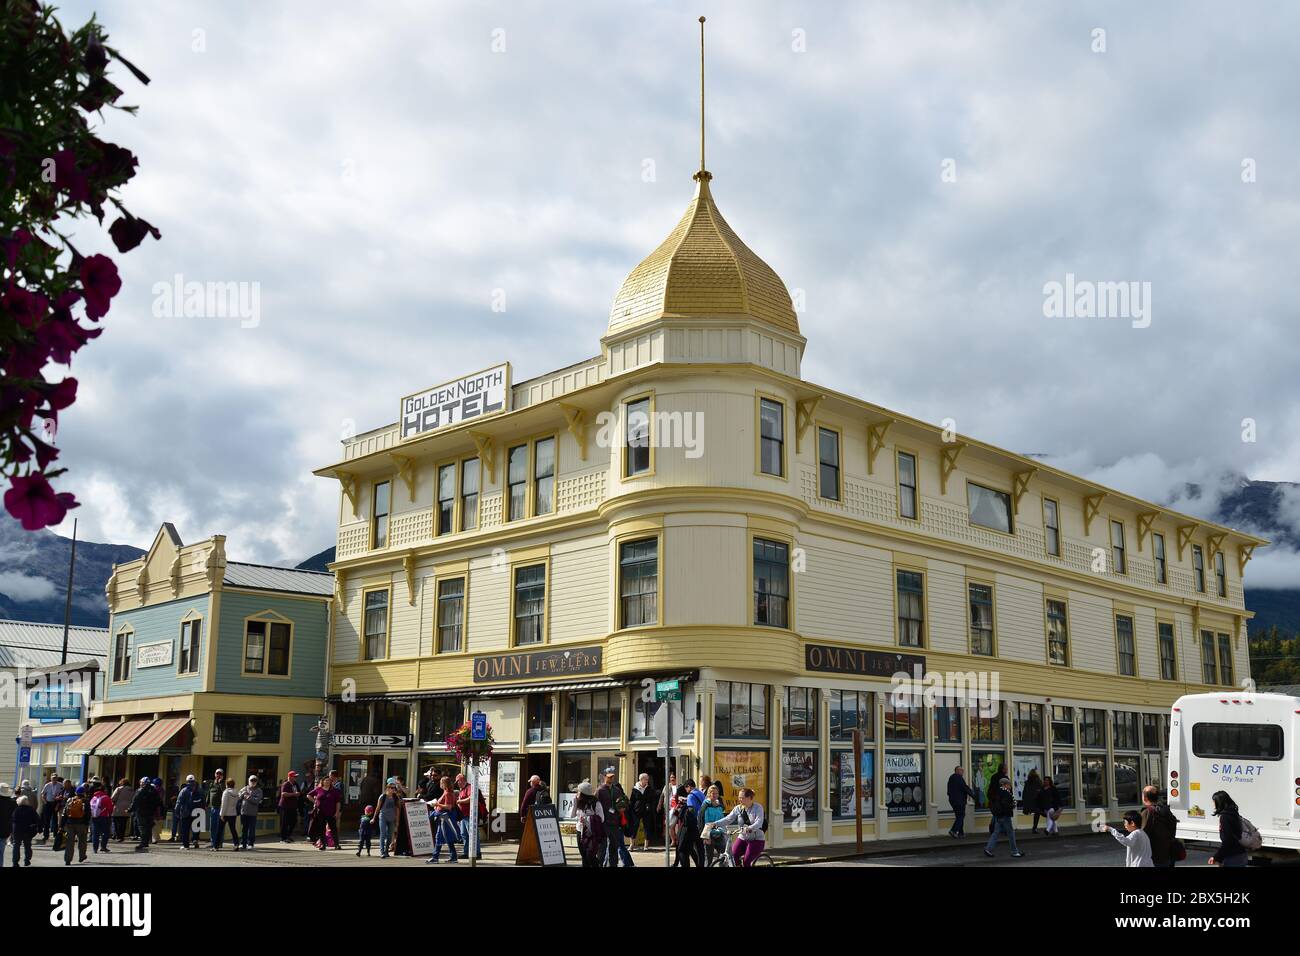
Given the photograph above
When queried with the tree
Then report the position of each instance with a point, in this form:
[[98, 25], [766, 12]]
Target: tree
[[54, 170]]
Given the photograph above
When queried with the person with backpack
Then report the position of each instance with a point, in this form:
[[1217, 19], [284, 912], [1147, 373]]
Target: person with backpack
[[75, 821], [536, 787], [711, 811], [1233, 835], [590, 816], [614, 802], [215, 791], [1137, 847], [1003, 806], [101, 819], [144, 808], [250, 802], [753, 828], [689, 845], [1161, 828], [1049, 805], [188, 799]]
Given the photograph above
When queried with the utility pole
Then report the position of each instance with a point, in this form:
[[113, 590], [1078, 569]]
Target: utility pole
[[67, 603]]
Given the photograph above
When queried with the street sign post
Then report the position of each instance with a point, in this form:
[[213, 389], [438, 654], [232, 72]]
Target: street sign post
[[478, 725], [668, 690]]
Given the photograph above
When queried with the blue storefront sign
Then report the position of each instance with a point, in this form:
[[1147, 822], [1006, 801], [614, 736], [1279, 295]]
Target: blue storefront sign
[[51, 707]]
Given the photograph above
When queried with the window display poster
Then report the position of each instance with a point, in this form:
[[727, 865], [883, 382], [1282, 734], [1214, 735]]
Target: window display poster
[[356, 773], [799, 785], [1020, 768], [848, 782], [508, 785], [734, 769], [945, 762], [905, 783], [983, 767]]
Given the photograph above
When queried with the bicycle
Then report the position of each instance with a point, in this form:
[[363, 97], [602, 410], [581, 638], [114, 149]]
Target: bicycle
[[722, 854]]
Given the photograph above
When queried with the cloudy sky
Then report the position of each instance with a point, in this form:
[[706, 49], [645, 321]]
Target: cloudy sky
[[379, 171]]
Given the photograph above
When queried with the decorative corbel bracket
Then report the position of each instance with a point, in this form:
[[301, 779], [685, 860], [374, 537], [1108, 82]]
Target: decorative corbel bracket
[[876, 442], [576, 420], [348, 482], [1214, 544], [1145, 521], [1091, 509], [948, 456], [1244, 553], [1019, 485], [174, 574], [142, 583], [406, 471], [408, 567], [804, 413], [341, 591], [484, 445], [1185, 532], [216, 560]]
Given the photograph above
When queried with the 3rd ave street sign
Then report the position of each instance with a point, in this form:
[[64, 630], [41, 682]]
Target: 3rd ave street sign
[[371, 740]]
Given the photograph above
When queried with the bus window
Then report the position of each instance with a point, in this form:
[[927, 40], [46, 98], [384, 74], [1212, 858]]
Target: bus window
[[1255, 741]]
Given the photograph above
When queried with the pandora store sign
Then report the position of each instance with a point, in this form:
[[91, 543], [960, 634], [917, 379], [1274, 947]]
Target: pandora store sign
[[473, 396]]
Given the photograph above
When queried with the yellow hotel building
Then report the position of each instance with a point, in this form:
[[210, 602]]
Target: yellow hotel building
[[684, 504]]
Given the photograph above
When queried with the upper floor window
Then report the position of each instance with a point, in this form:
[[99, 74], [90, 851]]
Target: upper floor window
[[989, 508], [517, 482], [1220, 575], [1092, 727], [1027, 723], [1158, 550], [981, 619], [799, 716], [543, 476], [375, 624], [446, 498], [593, 716], [771, 583], [1052, 526], [828, 463], [911, 608], [740, 710], [907, 499], [1126, 650], [986, 723], [1062, 724], [530, 604], [1118, 556], [439, 718], [771, 423], [1225, 659], [1168, 660], [266, 647], [1124, 730], [851, 710], [392, 717], [1209, 672], [469, 469], [1198, 567], [636, 442], [191, 630], [451, 614], [903, 719], [122, 655], [381, 501], [1058, 633], [638, 582]]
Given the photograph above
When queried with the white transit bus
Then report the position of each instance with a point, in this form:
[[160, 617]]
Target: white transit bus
[[1247, 745]]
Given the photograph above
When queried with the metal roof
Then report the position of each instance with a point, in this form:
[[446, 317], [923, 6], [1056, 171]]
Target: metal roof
[[261, 577], [30, 644]]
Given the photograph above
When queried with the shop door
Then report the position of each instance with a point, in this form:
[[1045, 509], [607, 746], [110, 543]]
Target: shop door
[[362, 782]]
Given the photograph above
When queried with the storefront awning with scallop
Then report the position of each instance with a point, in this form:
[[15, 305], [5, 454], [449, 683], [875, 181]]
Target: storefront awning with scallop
[[169, 735], [86, 743], [117, 742]]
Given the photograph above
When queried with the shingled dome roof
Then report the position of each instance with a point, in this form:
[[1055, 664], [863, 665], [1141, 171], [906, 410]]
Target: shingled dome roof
[[703, 269]]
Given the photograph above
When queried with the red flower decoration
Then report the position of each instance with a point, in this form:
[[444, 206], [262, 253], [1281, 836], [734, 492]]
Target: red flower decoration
[[99, 283], [32, 501]]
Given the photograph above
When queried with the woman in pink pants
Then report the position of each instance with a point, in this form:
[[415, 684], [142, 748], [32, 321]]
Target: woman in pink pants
[[749, 816]]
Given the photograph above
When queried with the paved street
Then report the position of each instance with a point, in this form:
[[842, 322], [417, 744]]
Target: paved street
[[1082, 850]]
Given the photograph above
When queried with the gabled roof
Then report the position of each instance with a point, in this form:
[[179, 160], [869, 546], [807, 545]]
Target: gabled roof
[[260, 577]]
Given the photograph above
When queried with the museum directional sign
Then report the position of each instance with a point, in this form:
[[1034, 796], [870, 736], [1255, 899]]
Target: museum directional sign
[[825, 659], [552, 663], [372, 740]]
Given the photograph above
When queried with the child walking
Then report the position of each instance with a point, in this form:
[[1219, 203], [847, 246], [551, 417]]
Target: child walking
[[366, 830]]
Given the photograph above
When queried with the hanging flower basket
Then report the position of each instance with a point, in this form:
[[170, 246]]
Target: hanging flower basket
[[468, 750]]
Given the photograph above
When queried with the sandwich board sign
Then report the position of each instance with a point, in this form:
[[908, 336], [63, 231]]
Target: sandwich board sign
[[541, 844], [421, 830]]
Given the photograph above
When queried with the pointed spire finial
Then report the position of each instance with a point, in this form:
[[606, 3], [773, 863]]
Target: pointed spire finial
[[703, 174]]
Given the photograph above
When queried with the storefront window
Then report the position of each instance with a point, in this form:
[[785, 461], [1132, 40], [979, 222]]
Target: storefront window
[[947, 724], [740, 710], [1094, 781], [905, 783], [1027, 723], [904, 719], [267, 770], [799, 785], [733, 769], [1063, 777], [1128, 787], [1063, 725], [799, 716], [987, 727], [1153, 733], [540, 711], [592, 716], [851, 710], [352, 718], [574, 769], [1125, 730], [439, 718], [843, 780], [1092, 727], [245, 729], [983, 774], [392, 717], [643, 716]]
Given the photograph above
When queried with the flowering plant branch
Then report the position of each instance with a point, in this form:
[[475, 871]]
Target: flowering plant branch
[[467, 749], [54, 169]]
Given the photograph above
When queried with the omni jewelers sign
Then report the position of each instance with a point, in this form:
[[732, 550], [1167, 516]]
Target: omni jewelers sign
[[472, 396]]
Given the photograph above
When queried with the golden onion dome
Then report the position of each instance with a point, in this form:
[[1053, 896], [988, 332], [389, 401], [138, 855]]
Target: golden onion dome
[[703, 270]]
